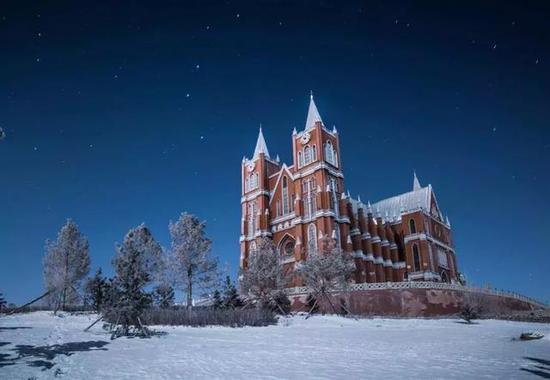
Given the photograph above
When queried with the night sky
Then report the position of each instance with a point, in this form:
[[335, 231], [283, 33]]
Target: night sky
[[117, 114]]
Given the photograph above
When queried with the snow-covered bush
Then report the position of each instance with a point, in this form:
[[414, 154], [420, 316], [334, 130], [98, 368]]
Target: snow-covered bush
[[208, 316]]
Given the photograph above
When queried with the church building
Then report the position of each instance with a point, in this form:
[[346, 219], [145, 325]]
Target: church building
[[401, 238]]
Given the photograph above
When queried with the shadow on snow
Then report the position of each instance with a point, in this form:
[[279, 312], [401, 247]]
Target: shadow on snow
[[541, 367]]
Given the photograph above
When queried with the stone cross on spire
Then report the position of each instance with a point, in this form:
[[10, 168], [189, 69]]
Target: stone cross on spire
[[312, 114], [261, 146]]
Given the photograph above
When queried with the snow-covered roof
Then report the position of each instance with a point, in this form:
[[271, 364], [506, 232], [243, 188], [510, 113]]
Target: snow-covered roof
[[413, 200], [393, 207], [261, 146], [312, 114]]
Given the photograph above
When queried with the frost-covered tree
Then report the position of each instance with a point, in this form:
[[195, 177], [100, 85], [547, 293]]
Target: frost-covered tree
[[138, 257], [164, 296], [264, 275], [66, 263], [193, 267], [96, 290], [217, 301], [326, 269], [3, 302]]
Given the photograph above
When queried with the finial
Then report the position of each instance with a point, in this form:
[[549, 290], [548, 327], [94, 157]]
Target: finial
[[359, 198], [294, 132], [334, 129], [277, 158], [311, 94]]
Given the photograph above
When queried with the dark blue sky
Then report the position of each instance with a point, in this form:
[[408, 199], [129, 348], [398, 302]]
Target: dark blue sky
[[134, 112]]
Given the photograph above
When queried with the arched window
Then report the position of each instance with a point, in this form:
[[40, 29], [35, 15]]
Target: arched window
[[444, 277], [300, 159], [251, 218], [416, 258], [412, 226], [286, 205], [312, 237], [329, 153], [314, 153], [252, 246], [307, 155]]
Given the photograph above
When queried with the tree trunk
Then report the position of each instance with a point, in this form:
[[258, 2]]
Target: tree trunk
[[189, 290]]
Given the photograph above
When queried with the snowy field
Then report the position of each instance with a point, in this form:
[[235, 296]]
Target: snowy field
[[39, 345]]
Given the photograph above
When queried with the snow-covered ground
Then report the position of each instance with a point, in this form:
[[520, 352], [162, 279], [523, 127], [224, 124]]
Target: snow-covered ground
[[40, 345]]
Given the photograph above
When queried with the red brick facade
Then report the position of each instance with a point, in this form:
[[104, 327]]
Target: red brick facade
[[396, 239]]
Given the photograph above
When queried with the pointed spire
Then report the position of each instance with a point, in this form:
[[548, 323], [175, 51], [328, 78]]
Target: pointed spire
[[294, 131], [261, 146], [312, 114], [416, 182], [334, 131], [278, 159], [448, 221], [359, 198]]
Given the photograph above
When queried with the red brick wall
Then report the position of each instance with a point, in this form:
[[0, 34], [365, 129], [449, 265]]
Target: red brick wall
[[410, 302]]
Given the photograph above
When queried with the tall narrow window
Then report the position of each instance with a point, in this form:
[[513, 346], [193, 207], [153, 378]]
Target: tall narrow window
[[333, 196], [329, 153], [309, 191], [312, 237], [307, 155], [278, 207], [252, 246], [314, 153], [416, 258], [412, 226], [300, 159], [286, 205], [251, 218]]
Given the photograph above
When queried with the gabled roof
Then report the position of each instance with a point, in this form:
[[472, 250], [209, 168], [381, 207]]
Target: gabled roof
[[261, 146], [313, 115]]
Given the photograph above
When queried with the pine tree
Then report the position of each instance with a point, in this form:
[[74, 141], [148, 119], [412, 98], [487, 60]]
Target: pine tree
[[96, 290], [66, 263], [3, 302], [190, 257], [217, 302], [137, 258], [231, 297], [164, 296], [264, 275]]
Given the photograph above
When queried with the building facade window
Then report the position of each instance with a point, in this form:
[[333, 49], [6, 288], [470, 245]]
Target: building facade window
[[329, 153], [251, 182], [300, 159], [416, 259], [251, 218], [314, 153], [412, 226], [312, 237], [307, 155], [310, 198], [278, 206], [286, 205]]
